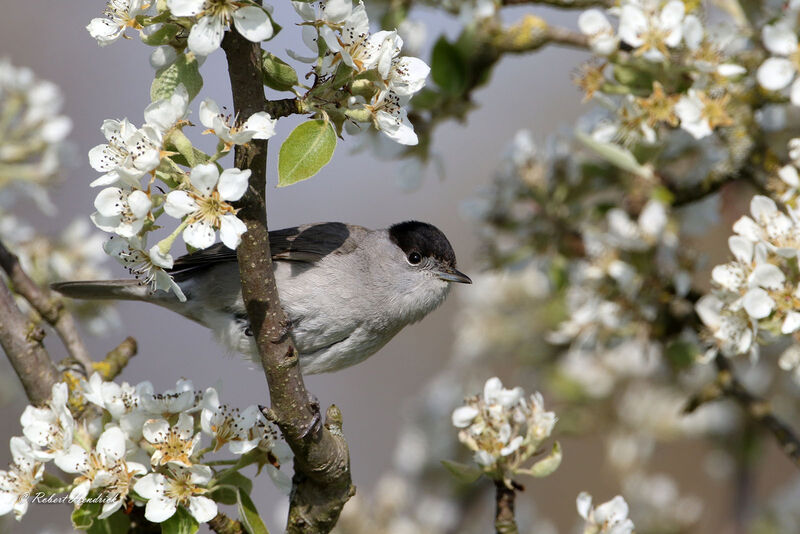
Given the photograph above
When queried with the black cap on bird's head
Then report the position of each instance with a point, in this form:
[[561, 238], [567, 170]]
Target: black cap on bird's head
[[419, 240]]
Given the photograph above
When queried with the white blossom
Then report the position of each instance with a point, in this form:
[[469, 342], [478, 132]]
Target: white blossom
[[22, 476], [206, 205], [119, 15], [182, 486], [778, 71], [611, 517], [215, 16]]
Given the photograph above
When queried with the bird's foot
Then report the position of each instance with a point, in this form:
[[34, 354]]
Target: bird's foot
[[284, 331], [315, 425]]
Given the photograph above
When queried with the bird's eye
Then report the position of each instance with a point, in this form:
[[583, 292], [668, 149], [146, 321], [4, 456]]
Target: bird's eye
[[414, 258]]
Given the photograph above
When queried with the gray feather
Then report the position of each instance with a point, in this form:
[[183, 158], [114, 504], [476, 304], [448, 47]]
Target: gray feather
[[104, 290]]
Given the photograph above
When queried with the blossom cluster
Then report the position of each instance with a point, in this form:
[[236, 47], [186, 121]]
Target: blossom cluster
[[338, 34], [659, 33], [131, 439], [200, 196], [758, 288], [32, 130], [504, 430]]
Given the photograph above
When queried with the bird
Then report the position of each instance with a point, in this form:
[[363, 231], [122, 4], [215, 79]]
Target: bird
[[345, 289]]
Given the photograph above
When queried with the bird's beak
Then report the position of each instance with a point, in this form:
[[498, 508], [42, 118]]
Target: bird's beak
[[448, 274]]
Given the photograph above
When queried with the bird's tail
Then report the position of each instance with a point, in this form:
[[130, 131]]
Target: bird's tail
[[105, 290]]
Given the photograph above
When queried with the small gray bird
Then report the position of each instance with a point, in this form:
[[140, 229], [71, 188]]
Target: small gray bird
[[346, 290]]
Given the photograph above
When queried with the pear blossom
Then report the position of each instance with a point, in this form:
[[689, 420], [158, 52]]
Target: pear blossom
[[390, 116], [103, 467], [502, 428], [215, 16], [182, 486], [594, 24], [260, 125], [129, 154], [778, 71], [165, 113], [608, 518], [173, 444], [652, 31], [50, 428], [22, 476], [206, 205], [228, 425], [407, 75], [181, 398], [119, 15], [117, 399], [147, 267], [689, 110], [123, 212]]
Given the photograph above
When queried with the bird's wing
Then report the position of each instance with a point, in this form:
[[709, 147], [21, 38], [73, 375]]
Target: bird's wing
[[307, 243]]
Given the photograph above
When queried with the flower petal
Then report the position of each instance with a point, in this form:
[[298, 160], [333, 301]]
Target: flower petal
[[231, 229], [199, 235], [202, 508], [233, 183], [206, 36], [179, 204], [775, 73], [253, 23], [204, 177]]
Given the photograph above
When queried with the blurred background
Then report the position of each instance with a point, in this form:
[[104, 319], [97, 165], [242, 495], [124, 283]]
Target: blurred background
[[532, 91]]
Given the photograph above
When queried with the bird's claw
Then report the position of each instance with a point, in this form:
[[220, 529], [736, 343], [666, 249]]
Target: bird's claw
[[315, 425]]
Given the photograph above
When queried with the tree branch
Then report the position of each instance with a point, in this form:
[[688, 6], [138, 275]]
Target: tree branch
[[504, 521], [283, 107], [22, 342], [727, 385], [532, 33], [48, 305], [222, 524], [321, 483], [567, 4]]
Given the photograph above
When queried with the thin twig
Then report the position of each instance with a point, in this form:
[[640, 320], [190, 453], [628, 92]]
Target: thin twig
[[504, 521], [758, 409], [566, 4], [22, 342], [116, 360], [321, 484], [222, 524], [282, 108], [48, 305]]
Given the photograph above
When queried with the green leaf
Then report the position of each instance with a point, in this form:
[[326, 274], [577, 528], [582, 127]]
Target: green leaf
[[113, 524], [234, 478], [248, 515], [183, 71], [548, 464], [616, 155], [277, 73], [308, 148], [83, 517], [448, 68], [181, 522], [681, 354], [466, 474], [162, 36]]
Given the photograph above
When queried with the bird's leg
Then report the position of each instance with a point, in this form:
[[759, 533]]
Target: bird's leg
[[286, 329], [316, 422]]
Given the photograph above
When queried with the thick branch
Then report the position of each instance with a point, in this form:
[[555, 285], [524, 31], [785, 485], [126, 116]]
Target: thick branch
[[504, 521], [321, 484], [49, 306], [22, 342]]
